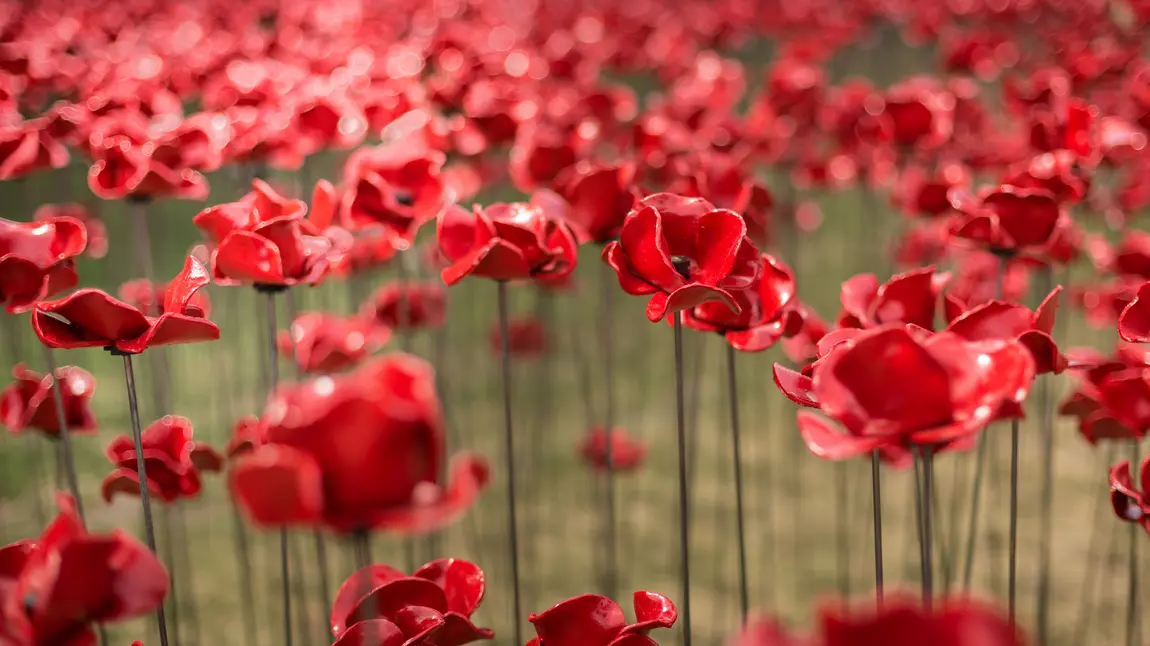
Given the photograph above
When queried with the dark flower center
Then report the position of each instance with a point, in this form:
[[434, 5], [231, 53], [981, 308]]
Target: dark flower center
[[682, 265], [29, 603], [404, 198]]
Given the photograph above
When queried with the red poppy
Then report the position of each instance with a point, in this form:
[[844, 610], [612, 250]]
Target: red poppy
[[526, 338], [264, 239], [128, 167], [1128, 500], [36, 260], [684, 252], [516, 241], [911, 298], [803, 346], [29, 147], [921, 112], [542, 153], [54, 590], [592, 620], [1010, 219], [323, 343], [893, 387], [328, 121], [1111, 396], [357, 452], [149, 297], [432, 606], [173, 461], [30, 401], [91, 318], [94, 226], [627, 453], [248, 433], [1134, 322], [999, 320], [766, 313], [397, 186], [599, 197], [927, 194], [1057, 172], [407, 306], [363, 250]]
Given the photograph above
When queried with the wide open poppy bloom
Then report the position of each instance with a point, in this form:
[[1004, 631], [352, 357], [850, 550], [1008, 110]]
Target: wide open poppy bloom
[[264, 239], [920, 112], [897, 386], [1134, 322], [407, 306], [683, 252], [526, 338], [172, 459], [766, 312], [36, 260], [55, 589], [999, 320], [97, 233], [517, 241], [911, 297], [30, 402], [91, 318], [626, 452], [1010, 219], [432, 606], [599, 197], [357, 452], [1130, 502], [321, 342], [1112, 398], [397, 185], [894, 623], [592, 620]]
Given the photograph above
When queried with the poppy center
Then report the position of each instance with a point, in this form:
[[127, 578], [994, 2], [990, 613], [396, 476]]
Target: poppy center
[[404, 198], [29, 603], [682, 265]]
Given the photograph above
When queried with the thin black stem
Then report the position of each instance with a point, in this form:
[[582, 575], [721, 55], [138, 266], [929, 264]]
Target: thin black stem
[[65, 435], [142, 476], [321, 565], [610, 529], [737, 466], [684, 511], [1046, 500], [1012, 583], [509, 454], [876, 507], [361, 544], [1133, 636], [926, 452], [402, 317], [972, 522], [173, 600], [273, 378], [243, 558], [842, 529]]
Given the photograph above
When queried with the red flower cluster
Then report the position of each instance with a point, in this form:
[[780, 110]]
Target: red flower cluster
[[173, 461]]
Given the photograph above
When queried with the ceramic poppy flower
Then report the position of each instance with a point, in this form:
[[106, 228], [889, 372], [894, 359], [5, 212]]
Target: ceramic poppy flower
[[129, 167], [1134, 322], [435, 603], [683, 252], [999, 320], [803, 346], [28, 147], [321, 343], [766, 310], [542, 152], [358, 452], [896, 387], [397, 186], [1010, 219], [592, 620], [920, 111], [30, 401], [36, 260], [248, 433], [1128, 500], [912, 297], [599, 197], [328, 121], [1057, 172], [1109, 393], [97, 233], [119, 576], [927, 194], [173, 461], [149, 297], [264, 239], [364, 250], [90, 318], [626, 452], [517, 241], [407, 306], [526, 338]]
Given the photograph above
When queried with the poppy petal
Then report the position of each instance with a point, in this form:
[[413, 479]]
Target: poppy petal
[[371, 632], [719, 236], [388, 599], [419, 623], [857, 296], [87, 318], [247, 257], [497, 260], [458, 630], [796, 386], [1134, 322], [613, 255], [469, 477], [586, 620], [686, 297], [907, 298], [646, 251], [829, 443], [462, 581], [652, 610], [180, 291], [355, 588], [278, 485]]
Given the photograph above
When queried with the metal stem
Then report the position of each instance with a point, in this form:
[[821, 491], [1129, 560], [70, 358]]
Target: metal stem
[[737, 467], [274, 377], [606, 276], [1012, 576], [509, 455], [926, 453], [876, 507], [684, 511]]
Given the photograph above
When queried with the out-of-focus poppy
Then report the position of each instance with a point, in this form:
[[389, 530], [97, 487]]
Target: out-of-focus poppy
[[320, 342], [30, 401], [36, 260], [1128, 500], [624, 452], [912, 298], [1134, 322], [599, 197], [407, 306], [1010, 219], [526, 338], [395, 185], [999, 320], [172, 459], [97, 233]]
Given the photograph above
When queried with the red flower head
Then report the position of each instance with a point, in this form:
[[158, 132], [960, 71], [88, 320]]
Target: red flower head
[[592, 620], [29, 147], [97, 232], [379, 604], [396, 185], [1010, 219], [330, 121], [896, 386], [149, 297], [926, 194], [999, 320], [1128, 500], [626, 453], [172, 460], [684, 252], [803, 347], [766, 310], [357, 452], [248, 433], [90, 318], [55, 589], [36, 260], [323, 343], [1056, 172], [541, 153], [1134, 322], [134, 166], [264, 239], [363, 250], [921, 113], [910, 298], [599, 198], [515, 241], [407, 306], [30, 402], [1112, 396], [526, 338]]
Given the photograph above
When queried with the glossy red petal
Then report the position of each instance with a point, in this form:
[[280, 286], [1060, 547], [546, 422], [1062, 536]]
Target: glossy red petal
[[687, 297], [758, 338], [181, 290], [652, 610], [797, 387], [1134, 322], [355, 588], [614, 256], [420, 624], [586, 620], [645, 249], [719, 236], [277, 485], [456, 232], [388, 599], [829, 443], [249, 258], [858, 295], [371, 632], [172, 329], [458, 630], [497, 260], [462, 581], [86, 318], [907, 298]]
